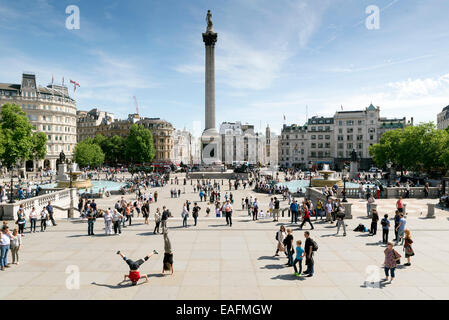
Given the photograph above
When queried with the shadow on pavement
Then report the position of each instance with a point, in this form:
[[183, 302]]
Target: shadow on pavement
[[288, 277], [268, 258]]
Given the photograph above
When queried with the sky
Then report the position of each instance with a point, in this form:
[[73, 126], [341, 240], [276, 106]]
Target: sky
[[273, 58]]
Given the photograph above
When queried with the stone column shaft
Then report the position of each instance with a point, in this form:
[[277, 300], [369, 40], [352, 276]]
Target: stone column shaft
[[210, 87]]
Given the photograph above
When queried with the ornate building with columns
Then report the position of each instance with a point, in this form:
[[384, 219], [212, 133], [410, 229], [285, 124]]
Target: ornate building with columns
[[50, 110]]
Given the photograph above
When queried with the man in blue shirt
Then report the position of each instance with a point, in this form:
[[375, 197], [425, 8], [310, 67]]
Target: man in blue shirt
[[49, 209], [294, 211], [401, 229]]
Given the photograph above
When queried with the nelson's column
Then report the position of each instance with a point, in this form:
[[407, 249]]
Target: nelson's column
[[210, 139]]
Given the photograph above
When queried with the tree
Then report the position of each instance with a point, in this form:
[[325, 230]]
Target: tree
[[88, 154], [17, 136], [113, 148], [39, 145], [420, 148], [139, 146], [2, 148], [99, 139]]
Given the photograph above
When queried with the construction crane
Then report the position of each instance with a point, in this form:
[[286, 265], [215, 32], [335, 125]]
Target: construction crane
[[137, 106]]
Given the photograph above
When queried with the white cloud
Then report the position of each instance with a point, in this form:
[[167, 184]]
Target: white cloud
[[421, 87]]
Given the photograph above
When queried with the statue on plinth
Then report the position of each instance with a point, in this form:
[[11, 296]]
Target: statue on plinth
[[62, 157], [353, 156], [210, 25]]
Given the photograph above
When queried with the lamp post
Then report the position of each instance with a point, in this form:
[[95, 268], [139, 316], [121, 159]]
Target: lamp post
[[12, 183], [389, 174], [70, 213], [310, 175], [344, 189]]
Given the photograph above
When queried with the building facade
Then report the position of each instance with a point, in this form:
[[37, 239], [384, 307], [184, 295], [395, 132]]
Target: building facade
[[240, 143], [50, 110], [294, 147], [443, 119], [161, 130], [182, 147], [271, 148], [88, 121], [331, 140]]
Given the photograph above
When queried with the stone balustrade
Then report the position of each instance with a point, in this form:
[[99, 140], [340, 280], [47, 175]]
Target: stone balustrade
[[59, 198]]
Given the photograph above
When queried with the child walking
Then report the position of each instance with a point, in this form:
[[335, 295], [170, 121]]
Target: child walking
[[298, 259]]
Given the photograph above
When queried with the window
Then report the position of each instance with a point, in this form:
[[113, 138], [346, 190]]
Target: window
[[360, 122], [349, 137], [313, 145], [360, 137], [349, 130], [340, 146], [340, 154], [328, 128], [320, 128], [349, 122], [360, 146], [371, 137], [320, 145], [313, 137], [320, 137], [349, 146], [340, 138], [327, 137], [313, 128], [327, 145], [340, 123]]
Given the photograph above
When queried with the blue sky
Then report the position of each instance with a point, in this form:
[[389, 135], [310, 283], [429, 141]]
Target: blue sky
[[272, 57]]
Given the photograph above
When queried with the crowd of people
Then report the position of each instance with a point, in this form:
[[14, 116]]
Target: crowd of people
[[213, 196]]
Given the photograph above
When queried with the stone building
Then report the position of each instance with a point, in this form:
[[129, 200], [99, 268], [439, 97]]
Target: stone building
[[240, 143], [271, 148], [50, 110], [182, 147], [443, 119], [88, 121], [161, 130], [294, 147], [331, 140]]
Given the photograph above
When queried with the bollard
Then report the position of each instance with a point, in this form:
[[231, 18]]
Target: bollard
[[430, 211]]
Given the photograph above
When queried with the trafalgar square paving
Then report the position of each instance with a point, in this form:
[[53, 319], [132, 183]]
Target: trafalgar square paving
[[214, 261]]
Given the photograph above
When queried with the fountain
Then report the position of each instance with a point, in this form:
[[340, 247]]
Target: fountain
[[327, 178], [63, 180]]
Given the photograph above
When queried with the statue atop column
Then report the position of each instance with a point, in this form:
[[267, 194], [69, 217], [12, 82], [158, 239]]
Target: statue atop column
[[210, 25]]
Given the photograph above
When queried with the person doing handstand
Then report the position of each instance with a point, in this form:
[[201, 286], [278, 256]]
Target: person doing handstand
[[168, 255], [134, 275]]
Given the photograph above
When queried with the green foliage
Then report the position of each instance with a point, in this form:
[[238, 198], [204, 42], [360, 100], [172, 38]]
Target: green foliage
[[19, 143], [113, 148], [139, 146], [88, 154], [417, 148], [39, 145]]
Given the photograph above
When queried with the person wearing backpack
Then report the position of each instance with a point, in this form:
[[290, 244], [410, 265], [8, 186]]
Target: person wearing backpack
[[195, 210], [385, 228], [309, 247]]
